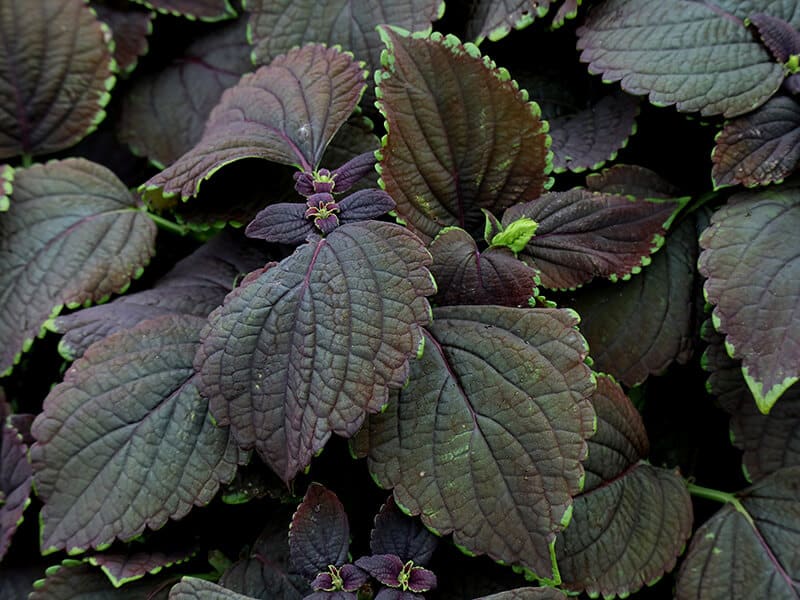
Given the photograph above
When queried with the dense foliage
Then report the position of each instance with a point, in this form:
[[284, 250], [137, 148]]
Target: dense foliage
[[254, 253]]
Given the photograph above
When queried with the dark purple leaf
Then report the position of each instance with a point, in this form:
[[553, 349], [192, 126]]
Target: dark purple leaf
[[760, 147], [637, 328], [164, 113], [319, 535], [782, 39], [583, 235], [792, 84], [353, 170], [397, 533], [195, 286], [191, 588], [631, 180], [753, 277], [126, 442], [338, 595], [588, 138], [55, 75], [73, 235], [465, 275], [528, 593], [282, 223], [129, 29], [633, 519], [15, 482], [286, 112], [748, 548], [769, 442], [680, 52], [319, 358], [365, 204], [206, 10], [384, 567], [121, 569], [481, 144], [397, 594], [494, 19], [75, 580], [471, 443]]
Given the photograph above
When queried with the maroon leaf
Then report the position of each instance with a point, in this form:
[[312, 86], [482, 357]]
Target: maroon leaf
[[760, 147], [747, 549], [637, 328], [163, 115], [528, 593], [481, 145], [286, 112], [397, 533], [583, 235], [494, 19], [121, 569], [73, 235], [126, 442], [56, 72], [74, 580], [588, 138], [206, 10], [465, 275], [15, 481], [324, 371], [750, 260], [471, 443], [282, 223], [631, 180], [782, 39], [129, 29]]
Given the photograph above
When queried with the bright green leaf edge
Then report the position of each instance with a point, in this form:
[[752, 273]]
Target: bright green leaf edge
[[611, 157], [566, 16], [228, 12], [7, 177], [524, 20], [92, 560]]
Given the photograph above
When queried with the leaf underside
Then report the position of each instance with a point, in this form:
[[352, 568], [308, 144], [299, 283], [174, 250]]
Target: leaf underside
[[319, 534], [481, 145], [312, 345], [583, 235], [750, 260], [73, 580], [163, 115], [15, 481], [206, 10], [759, 148], [633, 519], [748, 551], [494, 20], [130, 29], [637, 328], [286, 112], [469, 444], [679, 52], [126, 442], [73, 235], [55, 73]]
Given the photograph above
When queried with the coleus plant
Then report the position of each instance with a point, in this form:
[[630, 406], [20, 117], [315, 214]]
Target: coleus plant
[[480, 324]]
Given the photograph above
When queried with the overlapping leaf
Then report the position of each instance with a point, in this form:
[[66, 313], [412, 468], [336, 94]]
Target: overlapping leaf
[[633, 519], [55, 72], [129, 29], [74, 580], [397, 533], [747, 549], [472, 445], [195, 286], [286, 112], [759, 148], [480, 145], [527, 593], [587, 138], [15, 481], [192, 588], [164, 113], [583, 235], [631, 180], [72, 235], [465, 275], [207, 10], [121, 569], [753, 279], [494, 20], [680, 52], [126, 442], [312, 345], [637, 328]]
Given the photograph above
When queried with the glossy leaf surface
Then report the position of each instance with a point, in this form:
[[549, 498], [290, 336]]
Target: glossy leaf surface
[[164, 113], [126, 442], [72, 235], [759, 148], [633, 519], [679, 52], [207, 10], [481, 145], [746, 550], [312, 345], [15, 481], [753, 278], [583, 235], [55, 72], [470, 444], [465, 275], [285, 112]]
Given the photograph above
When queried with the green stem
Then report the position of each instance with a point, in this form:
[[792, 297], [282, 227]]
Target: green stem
[[701, 201], [27, 161], [711, 494], [167, 225]]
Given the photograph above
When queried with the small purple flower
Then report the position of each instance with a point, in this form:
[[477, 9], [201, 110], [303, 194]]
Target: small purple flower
[[347, 578], [323, 209]]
